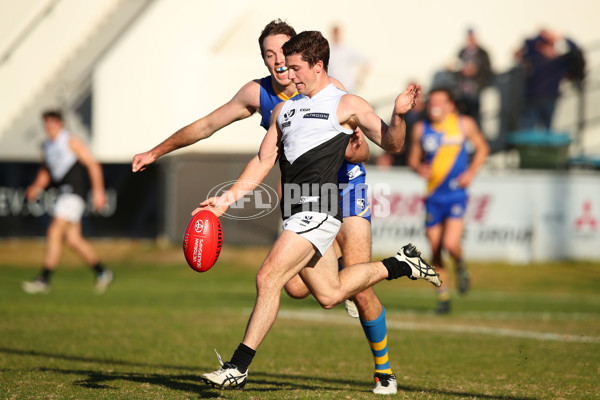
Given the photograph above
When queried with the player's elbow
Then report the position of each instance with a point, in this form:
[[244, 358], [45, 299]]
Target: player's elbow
[[394, 148]]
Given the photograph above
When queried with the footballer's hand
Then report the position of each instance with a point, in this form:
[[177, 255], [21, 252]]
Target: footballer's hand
[[99, 200], [465, 179], [357, 150], [32, 192], [425, 171], [408, 99], [217, 205], [142, 160]]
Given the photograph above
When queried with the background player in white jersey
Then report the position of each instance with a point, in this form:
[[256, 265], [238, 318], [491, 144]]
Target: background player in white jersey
[[309, 135], [354, 238], [68, 164]]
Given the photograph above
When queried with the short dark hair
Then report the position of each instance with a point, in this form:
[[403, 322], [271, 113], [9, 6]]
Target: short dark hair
[[275, 27], [56, 114], [446, 90], [311, 46]]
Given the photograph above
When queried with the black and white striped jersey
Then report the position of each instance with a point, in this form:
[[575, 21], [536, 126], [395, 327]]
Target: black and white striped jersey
[[313, 148]]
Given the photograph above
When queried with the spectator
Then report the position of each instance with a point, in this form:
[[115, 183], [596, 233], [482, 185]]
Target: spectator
[[346, 64], [547, 59], [474, 75]]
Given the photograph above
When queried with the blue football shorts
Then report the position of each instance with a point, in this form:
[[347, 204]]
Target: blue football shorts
[[440, 209], [354, 200]]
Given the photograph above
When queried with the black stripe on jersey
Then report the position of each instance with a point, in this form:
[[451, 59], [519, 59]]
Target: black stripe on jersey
[[75, 181], [317, 167]]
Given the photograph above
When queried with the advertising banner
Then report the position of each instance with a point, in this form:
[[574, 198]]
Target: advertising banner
[[517, 216], [132, 210]]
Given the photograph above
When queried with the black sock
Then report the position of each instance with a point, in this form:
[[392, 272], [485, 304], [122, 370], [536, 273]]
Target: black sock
[[242, 357], [396, 268], [46, 274], [99, 268]]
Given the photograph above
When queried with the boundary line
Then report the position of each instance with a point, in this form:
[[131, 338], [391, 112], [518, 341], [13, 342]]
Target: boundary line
[[324, 316]]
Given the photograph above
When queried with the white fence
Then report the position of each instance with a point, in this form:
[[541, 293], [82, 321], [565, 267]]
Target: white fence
[[518, 216]]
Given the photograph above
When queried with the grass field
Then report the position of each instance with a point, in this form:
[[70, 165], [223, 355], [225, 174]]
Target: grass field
[[524, 332]]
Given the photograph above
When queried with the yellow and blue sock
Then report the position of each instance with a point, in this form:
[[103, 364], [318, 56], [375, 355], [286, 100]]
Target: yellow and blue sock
[[376, 333]]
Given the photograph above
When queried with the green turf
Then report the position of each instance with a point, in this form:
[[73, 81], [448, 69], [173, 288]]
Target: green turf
[[524, 332]]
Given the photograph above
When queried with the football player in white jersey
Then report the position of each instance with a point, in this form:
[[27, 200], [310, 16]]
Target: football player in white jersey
[[354, 237], [304, 246], [68, 164]]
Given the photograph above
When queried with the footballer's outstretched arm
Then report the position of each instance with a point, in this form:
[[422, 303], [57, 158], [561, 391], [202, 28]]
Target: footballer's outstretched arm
[[245, 103], [355, 111], [358, 149], [255, 171]]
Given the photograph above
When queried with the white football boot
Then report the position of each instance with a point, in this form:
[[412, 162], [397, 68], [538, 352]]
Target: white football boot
[[226, 377], [420, 268], [351, 308], [385, 384], [36, 286], [103, 280]]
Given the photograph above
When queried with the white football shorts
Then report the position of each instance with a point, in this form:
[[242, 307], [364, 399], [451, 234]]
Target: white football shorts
[[318, 228], [69, 206]]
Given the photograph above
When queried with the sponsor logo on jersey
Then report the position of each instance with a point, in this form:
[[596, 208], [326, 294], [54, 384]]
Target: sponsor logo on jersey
[[317, 115], [309, 199]]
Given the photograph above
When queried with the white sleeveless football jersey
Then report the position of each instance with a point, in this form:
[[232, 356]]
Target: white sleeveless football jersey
[[313, 148]]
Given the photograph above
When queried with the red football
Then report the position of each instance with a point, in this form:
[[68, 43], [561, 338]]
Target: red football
[[202, 241]]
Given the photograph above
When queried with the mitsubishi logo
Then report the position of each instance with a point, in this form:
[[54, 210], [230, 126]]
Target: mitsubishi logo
[[586, 218]]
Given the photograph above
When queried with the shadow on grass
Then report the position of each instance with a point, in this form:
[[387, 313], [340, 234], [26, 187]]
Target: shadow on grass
[[190, 383], [102, 380], [90, 359]]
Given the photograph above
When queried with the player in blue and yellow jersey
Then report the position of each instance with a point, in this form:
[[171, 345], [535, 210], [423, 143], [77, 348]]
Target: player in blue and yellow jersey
[[354, 238], [439, 153]]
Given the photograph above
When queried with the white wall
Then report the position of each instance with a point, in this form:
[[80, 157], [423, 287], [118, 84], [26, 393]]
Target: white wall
[[186, 57], [44, 50]]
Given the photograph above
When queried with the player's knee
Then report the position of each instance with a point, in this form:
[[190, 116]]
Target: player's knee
[[73, 240], [54, 230], [262, 279], [265, 282], [451, 245]]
